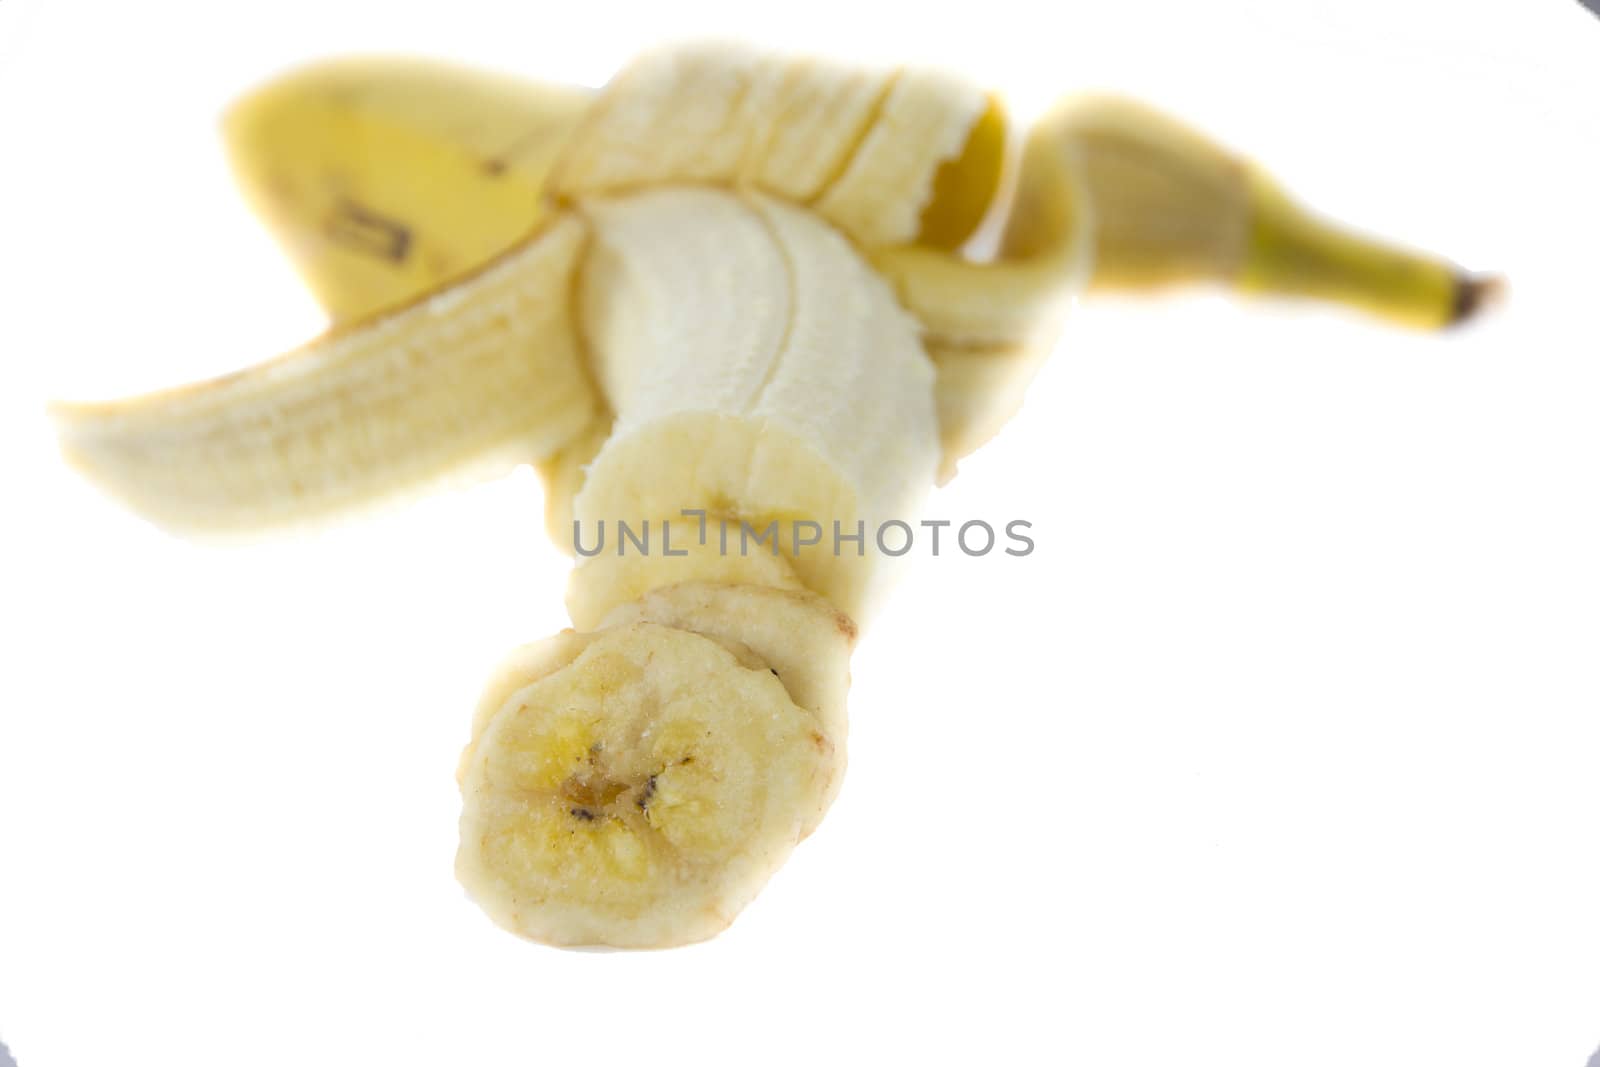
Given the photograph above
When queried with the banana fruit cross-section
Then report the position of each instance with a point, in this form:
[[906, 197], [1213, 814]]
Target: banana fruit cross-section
[[730, 287]]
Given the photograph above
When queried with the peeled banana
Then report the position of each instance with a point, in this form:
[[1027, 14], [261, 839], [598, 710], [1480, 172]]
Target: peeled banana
[[728, 291]]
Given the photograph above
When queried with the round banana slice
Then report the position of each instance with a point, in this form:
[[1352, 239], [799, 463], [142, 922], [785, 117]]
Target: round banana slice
[[799, 635], [639, 794], [517, 671], [613, 579]]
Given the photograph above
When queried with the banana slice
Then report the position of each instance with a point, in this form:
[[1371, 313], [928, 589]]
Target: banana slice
[[673, 553], [803, 639], [520, 669], [640, 795]]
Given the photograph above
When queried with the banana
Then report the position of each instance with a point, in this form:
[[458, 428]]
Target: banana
[[804, 640], [728, 298], [636, 786]]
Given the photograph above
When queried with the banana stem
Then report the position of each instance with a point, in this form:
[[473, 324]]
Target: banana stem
[[1168, 206], [1291, 252]]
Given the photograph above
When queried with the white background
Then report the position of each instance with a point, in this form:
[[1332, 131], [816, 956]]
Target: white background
[[1283, 748]]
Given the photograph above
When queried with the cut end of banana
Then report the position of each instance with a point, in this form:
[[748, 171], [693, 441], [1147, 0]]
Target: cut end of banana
[[637, 786]]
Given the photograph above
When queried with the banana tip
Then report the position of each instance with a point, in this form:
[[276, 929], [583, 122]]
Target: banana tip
[[1475, 294]]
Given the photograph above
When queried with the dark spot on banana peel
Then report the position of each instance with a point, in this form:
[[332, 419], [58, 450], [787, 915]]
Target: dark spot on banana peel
[[648, 792], [361, 229], [582, 813]]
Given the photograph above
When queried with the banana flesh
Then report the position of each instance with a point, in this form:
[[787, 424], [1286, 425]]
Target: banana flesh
[[639, 795], [804, 394], [637, 786], [804, 640], [731, 283]]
